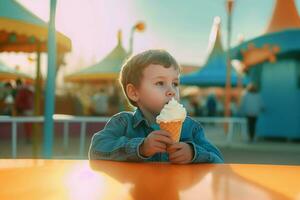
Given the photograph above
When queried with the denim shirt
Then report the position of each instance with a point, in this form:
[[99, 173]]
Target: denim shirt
[[125, 132]]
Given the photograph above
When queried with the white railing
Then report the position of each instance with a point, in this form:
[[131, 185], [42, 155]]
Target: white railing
[[235, 125], [67, 119]]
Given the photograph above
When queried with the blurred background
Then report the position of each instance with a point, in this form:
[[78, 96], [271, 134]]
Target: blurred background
[[240, 77]]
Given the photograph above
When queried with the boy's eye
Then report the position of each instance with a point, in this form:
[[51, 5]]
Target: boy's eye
[[159, 83], [175, 84]]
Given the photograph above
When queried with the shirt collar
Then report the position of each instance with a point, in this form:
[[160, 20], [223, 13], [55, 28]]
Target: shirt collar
[[138, 118]]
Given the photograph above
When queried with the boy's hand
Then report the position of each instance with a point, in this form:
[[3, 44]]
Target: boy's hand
[[180, 153], [155, 142]]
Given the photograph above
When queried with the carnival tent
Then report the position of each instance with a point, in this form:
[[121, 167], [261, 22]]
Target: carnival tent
[[107, 69], [213, 72]]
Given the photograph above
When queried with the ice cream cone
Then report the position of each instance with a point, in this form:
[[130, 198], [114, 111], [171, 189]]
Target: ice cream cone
[[171, 118], [173, 127]]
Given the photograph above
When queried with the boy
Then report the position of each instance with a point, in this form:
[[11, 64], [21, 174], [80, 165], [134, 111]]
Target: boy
[[149, 80]]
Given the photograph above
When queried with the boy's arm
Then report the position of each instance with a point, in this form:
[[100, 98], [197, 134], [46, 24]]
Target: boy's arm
[[204, 151], [112, 144]]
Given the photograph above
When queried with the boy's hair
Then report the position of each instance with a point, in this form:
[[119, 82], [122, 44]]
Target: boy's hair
[[133, 68]]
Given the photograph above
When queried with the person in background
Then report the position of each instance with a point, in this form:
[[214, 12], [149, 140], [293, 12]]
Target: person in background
[[196, 104], [186, 102], [19, 85], [211, 105], [114, 101], [251, 106], [8, 100], [100, 103], [24, 105]]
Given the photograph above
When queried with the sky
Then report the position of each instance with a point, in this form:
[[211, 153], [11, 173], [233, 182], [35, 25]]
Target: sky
[[181, 27]]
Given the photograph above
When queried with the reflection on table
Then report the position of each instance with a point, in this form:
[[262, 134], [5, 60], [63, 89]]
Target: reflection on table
[[81, 179]]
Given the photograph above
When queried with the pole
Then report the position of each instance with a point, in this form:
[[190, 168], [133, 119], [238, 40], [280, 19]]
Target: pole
[[131, 41], [228, 60], [140, 27], [50, 84], [37, 103]]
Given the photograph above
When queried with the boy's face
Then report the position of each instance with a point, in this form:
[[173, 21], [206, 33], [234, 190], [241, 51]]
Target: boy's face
[[157, 87]]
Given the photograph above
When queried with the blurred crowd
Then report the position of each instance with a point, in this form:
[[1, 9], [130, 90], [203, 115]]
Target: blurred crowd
[[107, 102], [211, 105], [16, 99]]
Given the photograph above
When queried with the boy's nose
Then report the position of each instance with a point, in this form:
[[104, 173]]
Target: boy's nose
[[170, 92]]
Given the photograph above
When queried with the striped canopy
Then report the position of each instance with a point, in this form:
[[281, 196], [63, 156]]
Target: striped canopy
[[22, 31]]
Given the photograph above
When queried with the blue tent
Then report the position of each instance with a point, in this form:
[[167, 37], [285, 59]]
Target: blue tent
[[287, 41], [213, 73]]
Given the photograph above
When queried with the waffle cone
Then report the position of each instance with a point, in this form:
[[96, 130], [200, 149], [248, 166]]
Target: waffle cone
[[174, 128]]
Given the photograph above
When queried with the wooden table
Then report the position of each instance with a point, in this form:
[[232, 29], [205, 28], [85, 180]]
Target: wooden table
[[84, 180]]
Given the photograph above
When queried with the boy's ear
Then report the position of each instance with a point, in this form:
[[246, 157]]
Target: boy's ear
[[132, 92]]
